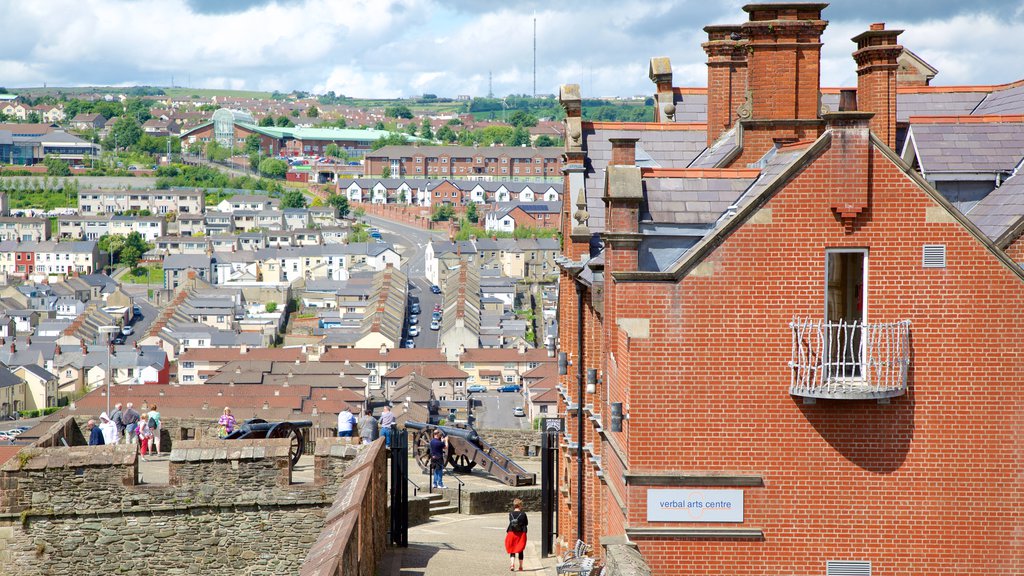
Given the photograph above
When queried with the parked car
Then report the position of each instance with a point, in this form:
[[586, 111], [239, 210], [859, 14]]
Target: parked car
[[413, 319], [476, 388], [409, 343], [435, 288], [436, 316], [435, 325], [437, 307], [518, 411], [414, 331], [415, 308], [510, 388], [136, 311], [127, 330], [119, 339]]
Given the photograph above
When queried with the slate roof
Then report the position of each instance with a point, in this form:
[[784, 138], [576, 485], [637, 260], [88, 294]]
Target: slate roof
[[464, 152], [986, 147], [664, 148], [689, 200], [996, 213], [1006, 101], [691, 108], [727, 145]]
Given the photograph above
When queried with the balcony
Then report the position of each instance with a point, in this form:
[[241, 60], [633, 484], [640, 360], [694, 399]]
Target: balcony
[[849, 361]]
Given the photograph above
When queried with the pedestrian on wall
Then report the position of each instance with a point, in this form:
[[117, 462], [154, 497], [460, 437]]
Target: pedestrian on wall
[[368, 427], [438, 451], [117, 417], [226, 422], [387, 425], [515, 534], [131, 424], [108, 429], [153, 421], [145, 435], [346, 422], [95, 434]]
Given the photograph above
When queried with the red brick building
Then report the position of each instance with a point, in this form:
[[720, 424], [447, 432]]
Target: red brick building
[[465, 162], [810, 347]]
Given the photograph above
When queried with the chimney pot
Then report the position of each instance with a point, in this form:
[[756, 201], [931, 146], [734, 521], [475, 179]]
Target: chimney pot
[[623, 151], [848, 100], [878, 26]]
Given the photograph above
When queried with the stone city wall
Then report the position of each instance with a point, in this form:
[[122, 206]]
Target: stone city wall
[[226, 506], [513, 443]]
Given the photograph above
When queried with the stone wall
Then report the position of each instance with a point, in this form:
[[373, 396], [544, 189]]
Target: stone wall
[[513, 443], [227, 506], [499, 500]]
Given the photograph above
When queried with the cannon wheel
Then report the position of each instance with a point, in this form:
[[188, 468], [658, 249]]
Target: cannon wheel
[[421, 448], [294, 433], [461, 463]]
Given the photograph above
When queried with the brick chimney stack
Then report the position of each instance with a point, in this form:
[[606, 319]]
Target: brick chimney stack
[[727, 77], [623, 193], [877, 68], [783, 76]]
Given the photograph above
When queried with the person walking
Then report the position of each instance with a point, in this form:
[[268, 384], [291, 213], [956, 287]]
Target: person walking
[[368, 427], [117, 417], [95, 434], [438, 450], [153, 421], [131, 424], [515, 534], [346, 422], [145, 435], [108, 429], [387, 425], [226, 422]]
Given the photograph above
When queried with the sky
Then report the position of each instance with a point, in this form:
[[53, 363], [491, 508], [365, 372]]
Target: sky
[[405, 48]]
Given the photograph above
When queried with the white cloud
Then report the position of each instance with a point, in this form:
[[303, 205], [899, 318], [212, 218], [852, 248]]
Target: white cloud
[[389, 48]]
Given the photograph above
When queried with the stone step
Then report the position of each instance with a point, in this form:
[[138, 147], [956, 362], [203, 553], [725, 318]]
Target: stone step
[[432, 497], [449, 509]]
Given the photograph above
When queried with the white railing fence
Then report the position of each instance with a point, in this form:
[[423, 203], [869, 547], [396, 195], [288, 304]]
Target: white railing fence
[[849, 359]]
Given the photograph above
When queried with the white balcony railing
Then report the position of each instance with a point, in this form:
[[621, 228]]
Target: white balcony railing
[[850, 361]]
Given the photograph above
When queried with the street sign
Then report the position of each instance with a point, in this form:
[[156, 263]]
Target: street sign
[[553, 424]]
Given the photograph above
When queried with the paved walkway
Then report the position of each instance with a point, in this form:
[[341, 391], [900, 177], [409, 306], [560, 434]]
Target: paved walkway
[[460, 545]]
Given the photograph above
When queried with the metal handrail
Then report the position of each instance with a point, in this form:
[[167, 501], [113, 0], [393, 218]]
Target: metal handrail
[[461, 484], [415, 487]]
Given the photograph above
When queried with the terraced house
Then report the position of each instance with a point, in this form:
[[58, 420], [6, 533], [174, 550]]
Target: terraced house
[[787, 349]]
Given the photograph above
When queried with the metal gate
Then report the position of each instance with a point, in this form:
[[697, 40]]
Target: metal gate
[[399, 488]]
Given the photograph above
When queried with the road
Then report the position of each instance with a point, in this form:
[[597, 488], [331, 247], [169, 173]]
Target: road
[[142, 323], [411, 244], [494, 410]]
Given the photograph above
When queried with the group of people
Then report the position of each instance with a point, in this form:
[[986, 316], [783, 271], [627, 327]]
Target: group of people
[[369, 427], [127, 425]]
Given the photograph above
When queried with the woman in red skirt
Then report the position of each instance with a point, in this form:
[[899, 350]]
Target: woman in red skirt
[[515, 534]]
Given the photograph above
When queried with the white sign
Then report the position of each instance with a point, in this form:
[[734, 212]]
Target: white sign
[[695, 505]]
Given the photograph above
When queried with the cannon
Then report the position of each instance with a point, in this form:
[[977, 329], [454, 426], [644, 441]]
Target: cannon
[[466, 450], [257, 428]]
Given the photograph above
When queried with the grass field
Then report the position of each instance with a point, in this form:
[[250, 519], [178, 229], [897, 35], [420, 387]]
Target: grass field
[[145, 275], [178, 92]]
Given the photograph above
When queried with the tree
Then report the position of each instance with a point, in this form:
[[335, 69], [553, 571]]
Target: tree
[[520, 137], [295, 113], [125, 133], [446, 134], [273, 168], [270, 307], [33, 118], [426, 131], [340, 203], [332, 150], [392, 139], [471, 213], [293, 199], [545, 140], [130, 256], [398, 111], [385, 172], [442, 212], [410, 129], [254, 161], [312, 112], [56, 167], [252, 143], [379, 125], [267, 121], [284, 122], [522, 119]]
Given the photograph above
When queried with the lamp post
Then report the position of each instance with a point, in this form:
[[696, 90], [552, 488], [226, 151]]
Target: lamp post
[[108, 330]]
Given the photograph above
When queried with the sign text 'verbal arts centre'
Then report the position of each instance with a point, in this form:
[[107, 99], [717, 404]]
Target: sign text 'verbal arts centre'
[[695, 505]]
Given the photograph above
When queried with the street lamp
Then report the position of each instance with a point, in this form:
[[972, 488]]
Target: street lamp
[[108, 330]]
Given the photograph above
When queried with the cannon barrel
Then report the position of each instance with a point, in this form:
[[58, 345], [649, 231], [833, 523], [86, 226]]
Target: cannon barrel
[[264, 426], [467, 434]]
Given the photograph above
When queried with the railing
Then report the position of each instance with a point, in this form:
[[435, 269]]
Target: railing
[[852, 361], [415, 487], [461, 484]]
